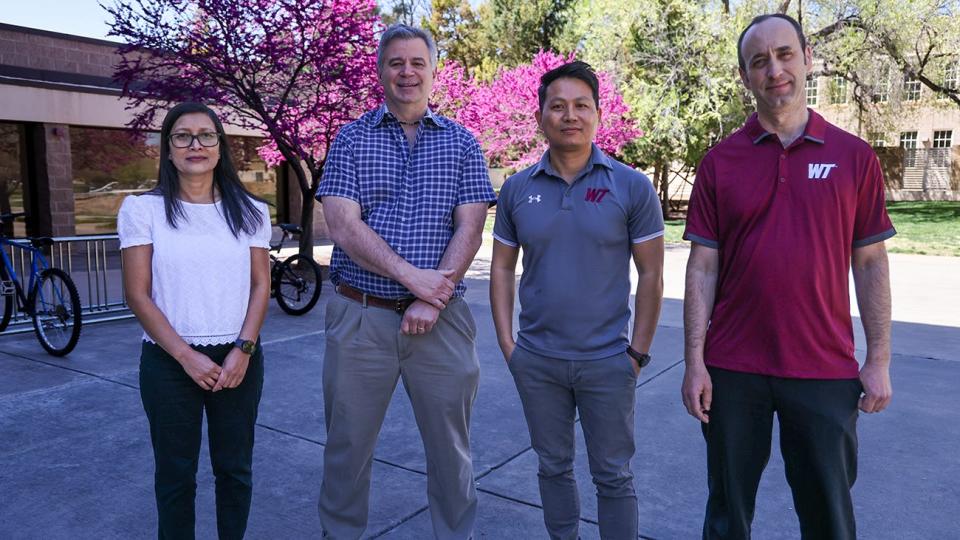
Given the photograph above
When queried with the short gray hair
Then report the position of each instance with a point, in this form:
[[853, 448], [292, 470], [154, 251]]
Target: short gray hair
[[403, 31]]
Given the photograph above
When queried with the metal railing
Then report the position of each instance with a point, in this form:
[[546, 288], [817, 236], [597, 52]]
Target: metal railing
[[95, 265]]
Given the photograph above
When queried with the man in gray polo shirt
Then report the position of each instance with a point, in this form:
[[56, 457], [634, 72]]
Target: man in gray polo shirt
[[579, 216]]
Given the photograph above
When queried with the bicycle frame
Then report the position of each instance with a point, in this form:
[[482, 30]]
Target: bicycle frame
[[38, 263]]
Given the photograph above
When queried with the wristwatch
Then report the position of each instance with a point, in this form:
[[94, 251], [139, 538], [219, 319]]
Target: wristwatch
[[245, 345], [641, 358]]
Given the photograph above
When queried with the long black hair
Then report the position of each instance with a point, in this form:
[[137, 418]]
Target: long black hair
[[237, 203]]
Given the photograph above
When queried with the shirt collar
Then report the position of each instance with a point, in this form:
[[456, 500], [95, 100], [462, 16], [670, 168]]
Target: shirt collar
[[382, 114], [597, 158], [814, 131]]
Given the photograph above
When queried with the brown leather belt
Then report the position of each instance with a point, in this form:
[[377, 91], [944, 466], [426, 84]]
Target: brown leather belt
[[398, 305]]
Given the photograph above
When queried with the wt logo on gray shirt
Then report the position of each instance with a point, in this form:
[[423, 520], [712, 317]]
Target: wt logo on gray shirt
[[595, 194]]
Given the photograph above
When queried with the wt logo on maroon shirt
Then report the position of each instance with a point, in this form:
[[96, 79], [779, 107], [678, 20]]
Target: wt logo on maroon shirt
[[819, 171], [595, 194]]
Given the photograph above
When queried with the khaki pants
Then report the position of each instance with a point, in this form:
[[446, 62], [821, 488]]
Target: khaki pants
[[365, 355]]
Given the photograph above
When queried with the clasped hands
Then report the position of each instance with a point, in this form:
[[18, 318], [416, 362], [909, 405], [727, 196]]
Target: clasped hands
[[210, 376], [433, 289]]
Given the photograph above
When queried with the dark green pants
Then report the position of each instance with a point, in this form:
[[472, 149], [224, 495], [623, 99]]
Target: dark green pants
[[174, 404]]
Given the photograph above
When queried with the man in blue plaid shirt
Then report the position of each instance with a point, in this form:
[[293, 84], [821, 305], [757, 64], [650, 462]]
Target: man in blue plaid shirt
[[405, 193]]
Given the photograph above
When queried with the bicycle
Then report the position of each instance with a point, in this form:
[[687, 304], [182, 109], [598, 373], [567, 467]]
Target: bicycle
[[297, 280], [50, 297]]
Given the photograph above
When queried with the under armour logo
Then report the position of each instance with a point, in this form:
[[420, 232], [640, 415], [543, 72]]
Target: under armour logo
[[595, 194], [819, 171], [533, 198]]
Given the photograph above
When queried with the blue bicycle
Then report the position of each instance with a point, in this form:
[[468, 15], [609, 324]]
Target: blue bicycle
[[50, 297]]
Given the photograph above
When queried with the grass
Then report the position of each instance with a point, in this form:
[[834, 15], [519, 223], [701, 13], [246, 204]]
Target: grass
[[923, 228]]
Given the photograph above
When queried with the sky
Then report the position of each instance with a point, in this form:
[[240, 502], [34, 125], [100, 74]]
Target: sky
[[78, 17]]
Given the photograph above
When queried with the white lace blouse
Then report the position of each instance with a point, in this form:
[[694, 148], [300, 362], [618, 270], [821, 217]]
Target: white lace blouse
[[200, 271]]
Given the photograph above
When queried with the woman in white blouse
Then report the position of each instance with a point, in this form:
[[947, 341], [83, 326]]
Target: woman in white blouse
[[196, 274]]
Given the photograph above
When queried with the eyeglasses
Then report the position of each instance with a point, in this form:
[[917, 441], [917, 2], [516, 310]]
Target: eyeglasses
[[185, 140]]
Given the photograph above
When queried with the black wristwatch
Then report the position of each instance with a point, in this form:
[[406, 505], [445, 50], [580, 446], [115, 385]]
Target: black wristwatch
[[245, 345], [641, 358]]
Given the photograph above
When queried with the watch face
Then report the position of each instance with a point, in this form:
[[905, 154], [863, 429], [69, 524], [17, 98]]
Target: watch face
[[248, 347]]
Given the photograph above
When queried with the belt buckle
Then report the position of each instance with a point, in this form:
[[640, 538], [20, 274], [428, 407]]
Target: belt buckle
[[399, 307]]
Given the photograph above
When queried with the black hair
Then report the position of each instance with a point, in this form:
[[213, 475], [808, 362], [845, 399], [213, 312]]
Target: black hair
[[573, 70], [759, 19], [238, 209]]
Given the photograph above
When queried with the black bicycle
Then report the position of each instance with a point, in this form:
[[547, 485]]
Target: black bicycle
[[50, 297], [296, 280]]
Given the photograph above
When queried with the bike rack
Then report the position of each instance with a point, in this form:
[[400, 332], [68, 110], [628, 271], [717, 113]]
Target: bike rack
[[95, 265]]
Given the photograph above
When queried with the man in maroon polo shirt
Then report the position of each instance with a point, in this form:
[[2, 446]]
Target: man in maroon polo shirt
[[779, 211]]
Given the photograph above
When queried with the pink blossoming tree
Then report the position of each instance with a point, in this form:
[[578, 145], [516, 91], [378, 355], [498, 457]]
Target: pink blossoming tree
[[501, 112], [295, 70]]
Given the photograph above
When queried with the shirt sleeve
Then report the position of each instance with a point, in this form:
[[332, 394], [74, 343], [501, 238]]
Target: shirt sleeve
[[475, 183], [645, 220], [504, 229], [872, 224], [261, 239], [134, 222], [339, 171], [702, 225]]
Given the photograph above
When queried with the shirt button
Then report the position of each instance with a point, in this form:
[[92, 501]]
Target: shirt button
[[782, 179]]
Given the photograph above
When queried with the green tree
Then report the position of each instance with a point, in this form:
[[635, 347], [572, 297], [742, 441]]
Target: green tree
[[457, 29], [676, 63], [409, 12], [518, 29], [894, 54]]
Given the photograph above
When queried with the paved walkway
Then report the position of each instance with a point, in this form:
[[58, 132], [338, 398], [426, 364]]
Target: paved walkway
[[75, 461]]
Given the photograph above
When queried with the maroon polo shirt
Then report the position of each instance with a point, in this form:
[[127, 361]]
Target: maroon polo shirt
[[785, 222]]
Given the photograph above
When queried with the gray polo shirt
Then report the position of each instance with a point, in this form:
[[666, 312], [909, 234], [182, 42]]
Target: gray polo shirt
[[576, 243]]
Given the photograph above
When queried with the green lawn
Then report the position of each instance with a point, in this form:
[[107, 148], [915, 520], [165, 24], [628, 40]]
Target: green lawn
[[924, 228]]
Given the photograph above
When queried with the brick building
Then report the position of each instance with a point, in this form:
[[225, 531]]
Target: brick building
[[66, 157], [916, 135]]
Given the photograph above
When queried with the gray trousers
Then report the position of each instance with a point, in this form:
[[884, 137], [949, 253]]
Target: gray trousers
[[365, 355], [604, 392]]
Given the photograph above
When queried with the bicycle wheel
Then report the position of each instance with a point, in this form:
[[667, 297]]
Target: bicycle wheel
[[55, 305], [7, 298], [297, 284]]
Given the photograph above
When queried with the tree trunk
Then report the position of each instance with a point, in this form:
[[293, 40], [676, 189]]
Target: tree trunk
[[306, 203], [306, 223], [662, 175]]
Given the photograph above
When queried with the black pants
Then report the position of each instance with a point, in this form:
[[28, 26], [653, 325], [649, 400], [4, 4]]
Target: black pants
[[174, 404], [818, 441]]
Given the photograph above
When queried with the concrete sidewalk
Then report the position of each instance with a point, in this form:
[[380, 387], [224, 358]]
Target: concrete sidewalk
[[75, 459]]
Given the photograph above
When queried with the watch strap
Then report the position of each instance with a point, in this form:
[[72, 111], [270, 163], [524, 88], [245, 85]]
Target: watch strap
[[642, 359], [245, 345]]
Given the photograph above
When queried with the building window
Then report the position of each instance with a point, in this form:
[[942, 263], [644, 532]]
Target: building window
[[109, 164], [881, 92], [908, 140], [951, 76], [11, 177], [877, 139], [943, 139], [838, 90], [911, 88], [813, 89]]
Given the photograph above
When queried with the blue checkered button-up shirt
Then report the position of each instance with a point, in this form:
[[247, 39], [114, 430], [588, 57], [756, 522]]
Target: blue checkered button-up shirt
[[406, 196]]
